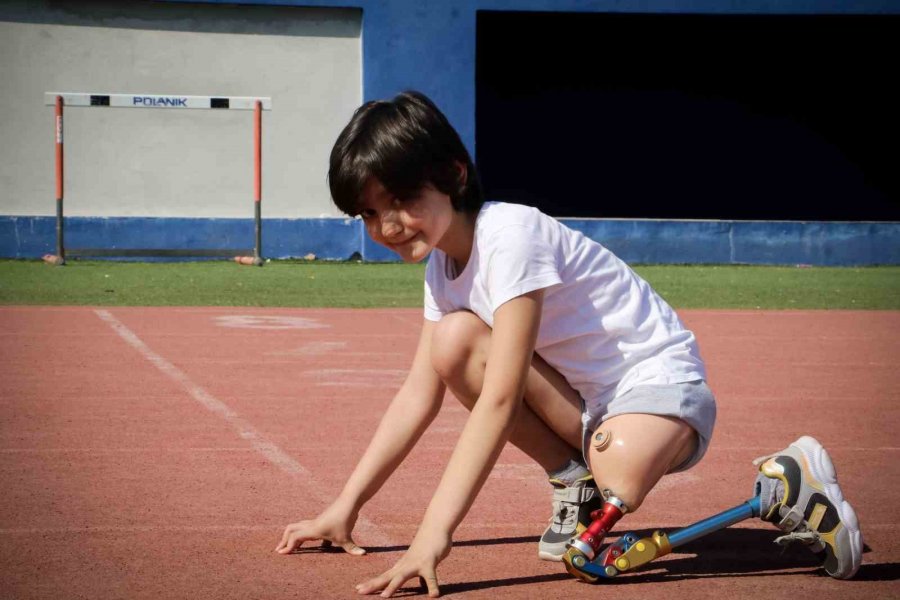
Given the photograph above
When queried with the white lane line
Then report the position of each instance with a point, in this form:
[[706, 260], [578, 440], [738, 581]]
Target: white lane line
[[268, 322], [245, 430]]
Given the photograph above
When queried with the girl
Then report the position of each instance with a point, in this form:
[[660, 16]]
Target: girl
[[550, 340]]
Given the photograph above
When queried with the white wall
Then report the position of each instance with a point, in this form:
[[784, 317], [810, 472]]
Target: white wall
[[184, 163]]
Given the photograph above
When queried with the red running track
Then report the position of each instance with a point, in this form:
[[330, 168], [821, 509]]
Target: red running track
[[159, 452]]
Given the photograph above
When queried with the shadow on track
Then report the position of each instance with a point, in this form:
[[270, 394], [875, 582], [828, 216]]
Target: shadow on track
[[527, 539], [727, 553]]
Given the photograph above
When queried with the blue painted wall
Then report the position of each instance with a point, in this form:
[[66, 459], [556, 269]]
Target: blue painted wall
[[429, 45], [635, 241]]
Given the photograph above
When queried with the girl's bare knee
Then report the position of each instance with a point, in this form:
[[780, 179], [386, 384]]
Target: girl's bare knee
[[456, 337]]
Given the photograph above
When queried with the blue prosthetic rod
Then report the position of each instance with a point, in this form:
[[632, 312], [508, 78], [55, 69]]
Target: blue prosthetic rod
[[628, 552]]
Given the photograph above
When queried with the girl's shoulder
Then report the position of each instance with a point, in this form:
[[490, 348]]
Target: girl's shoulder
[[499, 215]]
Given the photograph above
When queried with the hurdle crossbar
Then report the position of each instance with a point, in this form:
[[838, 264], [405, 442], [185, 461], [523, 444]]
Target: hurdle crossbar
[[161, 101], [157, 101]]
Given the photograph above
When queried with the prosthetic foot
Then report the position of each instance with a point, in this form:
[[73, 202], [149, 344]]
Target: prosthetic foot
[[796, 489], [585, 561]]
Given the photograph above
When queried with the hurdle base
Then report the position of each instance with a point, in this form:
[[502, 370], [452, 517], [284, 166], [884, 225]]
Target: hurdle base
[[52, 259], [253, 261]]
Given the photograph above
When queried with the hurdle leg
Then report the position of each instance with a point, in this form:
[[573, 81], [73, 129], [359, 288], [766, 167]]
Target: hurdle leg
[[59, 258], [256, 260]]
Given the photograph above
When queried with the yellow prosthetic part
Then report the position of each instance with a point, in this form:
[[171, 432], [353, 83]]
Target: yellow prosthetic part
[[643, 551]]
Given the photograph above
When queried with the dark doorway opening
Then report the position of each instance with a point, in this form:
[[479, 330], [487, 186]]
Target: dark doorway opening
[[690, 116]]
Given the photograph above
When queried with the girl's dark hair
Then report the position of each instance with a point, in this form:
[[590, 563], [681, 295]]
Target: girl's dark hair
[[405, 143]]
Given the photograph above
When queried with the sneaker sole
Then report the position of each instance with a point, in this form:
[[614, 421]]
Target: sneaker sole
[[822, 468], [545, 555]]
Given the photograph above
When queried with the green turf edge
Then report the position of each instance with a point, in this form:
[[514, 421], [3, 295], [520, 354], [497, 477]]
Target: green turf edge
[[292, 283]]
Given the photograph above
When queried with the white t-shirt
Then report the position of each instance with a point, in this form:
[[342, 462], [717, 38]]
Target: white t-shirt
[[602, 326]]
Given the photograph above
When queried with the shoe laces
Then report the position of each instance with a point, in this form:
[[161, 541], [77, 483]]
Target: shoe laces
[[805, 537], [564, 515]]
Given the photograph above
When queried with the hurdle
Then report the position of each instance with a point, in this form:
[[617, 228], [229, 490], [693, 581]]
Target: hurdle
[[167, 102]]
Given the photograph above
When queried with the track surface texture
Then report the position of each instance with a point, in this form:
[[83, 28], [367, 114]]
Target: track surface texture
[[159, 452]]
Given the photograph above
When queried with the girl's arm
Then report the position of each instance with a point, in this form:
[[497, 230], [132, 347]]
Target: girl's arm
[[408, 416], [411, 411], [487, 430]]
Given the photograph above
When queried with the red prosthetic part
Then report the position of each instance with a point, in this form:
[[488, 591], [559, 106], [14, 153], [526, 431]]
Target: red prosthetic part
[[603, 520]]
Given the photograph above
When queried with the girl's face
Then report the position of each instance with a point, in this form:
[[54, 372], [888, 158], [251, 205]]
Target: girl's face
[[413, 227]]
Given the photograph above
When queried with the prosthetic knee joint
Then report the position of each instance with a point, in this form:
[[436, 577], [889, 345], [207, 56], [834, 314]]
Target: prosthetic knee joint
[[602, 521]]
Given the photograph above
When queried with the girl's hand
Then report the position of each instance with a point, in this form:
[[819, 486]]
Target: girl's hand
[[333, 526], [422, 558]]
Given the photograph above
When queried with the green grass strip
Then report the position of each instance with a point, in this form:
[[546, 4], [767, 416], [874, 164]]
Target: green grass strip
[[333, 284], [776, 287]]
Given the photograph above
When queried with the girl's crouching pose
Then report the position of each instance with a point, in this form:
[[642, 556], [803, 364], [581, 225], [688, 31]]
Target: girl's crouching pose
[[550, 340]]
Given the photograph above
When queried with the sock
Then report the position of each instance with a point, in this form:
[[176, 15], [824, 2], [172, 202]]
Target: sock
[[570, 472]]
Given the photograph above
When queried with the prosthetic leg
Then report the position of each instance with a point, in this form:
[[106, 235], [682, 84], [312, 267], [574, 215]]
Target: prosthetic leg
[[587, 562]]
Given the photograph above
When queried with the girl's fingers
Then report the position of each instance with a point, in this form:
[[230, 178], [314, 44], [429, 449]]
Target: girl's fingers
[[350, 547], [286, 547], [296, 535], [431, 583], [389, 583], [294, 541], [284, 538], [374, 584], [392, 585]]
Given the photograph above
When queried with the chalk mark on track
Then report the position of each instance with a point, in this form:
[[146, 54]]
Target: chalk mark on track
[[244, 429]]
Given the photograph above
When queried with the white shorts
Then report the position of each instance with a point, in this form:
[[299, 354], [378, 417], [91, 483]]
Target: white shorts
[[692, 402]]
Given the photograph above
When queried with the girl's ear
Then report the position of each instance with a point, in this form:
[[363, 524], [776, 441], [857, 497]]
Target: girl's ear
[[463, 174]]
